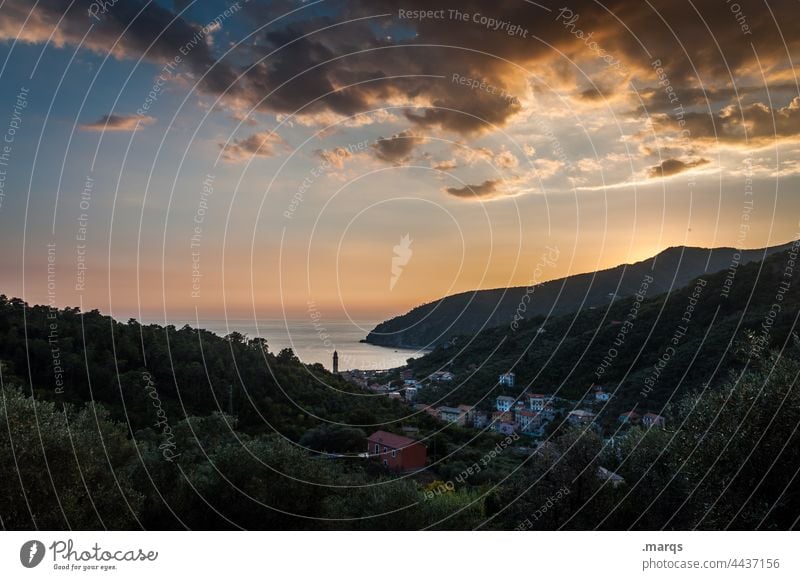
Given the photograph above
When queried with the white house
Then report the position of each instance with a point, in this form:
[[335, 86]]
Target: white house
[[580, 417], [538, 403], [508, 379], [504, 403], [451, 415]]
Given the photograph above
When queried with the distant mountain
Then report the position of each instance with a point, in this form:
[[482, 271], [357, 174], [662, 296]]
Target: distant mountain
[[468, 313]]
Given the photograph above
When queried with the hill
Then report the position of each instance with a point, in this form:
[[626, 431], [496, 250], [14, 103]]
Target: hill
[[470, 312], [645, 350], [69, 356]]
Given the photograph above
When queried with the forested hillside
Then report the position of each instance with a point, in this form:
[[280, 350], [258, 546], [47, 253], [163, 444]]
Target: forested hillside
[[646, 351], [470, 312]]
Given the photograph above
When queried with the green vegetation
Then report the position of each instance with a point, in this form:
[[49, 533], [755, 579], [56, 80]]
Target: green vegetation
[[115, 425], [125, 426], [563, 354], [729, 462]]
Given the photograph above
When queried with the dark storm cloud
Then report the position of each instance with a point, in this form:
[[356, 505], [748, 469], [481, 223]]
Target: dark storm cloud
[[674, 166], [361, 64], [397, 148], [756, 123], [152, 31], [465, 113], [486, 190], [681, 35]]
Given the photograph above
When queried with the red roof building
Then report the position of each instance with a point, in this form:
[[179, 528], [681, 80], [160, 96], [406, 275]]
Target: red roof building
[[396, 452]]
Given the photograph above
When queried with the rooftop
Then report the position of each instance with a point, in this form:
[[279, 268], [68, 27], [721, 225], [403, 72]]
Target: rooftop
[[391, 440]]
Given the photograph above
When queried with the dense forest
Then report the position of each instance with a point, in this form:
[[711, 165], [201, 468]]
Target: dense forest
[[117, 425]]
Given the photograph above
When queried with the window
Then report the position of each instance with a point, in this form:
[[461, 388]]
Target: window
[[394, 453], [377, 448], [385, 449]]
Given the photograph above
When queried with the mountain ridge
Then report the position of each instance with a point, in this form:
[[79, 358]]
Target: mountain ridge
[[434, 323]]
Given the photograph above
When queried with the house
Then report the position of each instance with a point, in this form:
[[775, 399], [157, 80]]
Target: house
[[528, 421], [396, 452], [468, 411], [503, 422], [383, 389], [538, 403], [451, 415], [441, 377], [613, 479], [580, 417], [427, 409], [406, 374], [480, 420], [412, 383], [507, 379], [505, 428], [411, 393], [502, 417], [629, 418], [653, 420], [600, 394], [504, 403]]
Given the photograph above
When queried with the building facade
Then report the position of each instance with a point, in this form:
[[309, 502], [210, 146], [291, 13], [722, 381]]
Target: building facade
[[508, 379], [396, 452], [504, 403]]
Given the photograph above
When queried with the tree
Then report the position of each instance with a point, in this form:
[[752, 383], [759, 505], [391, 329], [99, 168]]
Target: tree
[[64, 467]]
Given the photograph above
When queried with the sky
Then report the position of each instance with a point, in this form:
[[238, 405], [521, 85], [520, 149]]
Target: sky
[[177, 159]]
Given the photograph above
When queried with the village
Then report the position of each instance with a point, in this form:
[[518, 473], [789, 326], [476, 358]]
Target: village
[[527, 415]]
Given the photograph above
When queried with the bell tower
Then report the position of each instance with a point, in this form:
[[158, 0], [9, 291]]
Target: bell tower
[[335, 363]]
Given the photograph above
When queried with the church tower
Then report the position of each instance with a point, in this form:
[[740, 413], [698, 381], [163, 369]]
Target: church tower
[[335, 363]]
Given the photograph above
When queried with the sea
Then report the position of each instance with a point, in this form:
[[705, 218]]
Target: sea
[[314, 342]]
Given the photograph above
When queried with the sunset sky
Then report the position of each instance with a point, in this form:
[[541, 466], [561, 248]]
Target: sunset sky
[[298, 142]]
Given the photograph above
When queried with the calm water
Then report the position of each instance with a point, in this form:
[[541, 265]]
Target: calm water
[[316, 343]]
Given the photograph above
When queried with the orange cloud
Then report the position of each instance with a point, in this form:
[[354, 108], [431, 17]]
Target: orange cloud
[[121, 123], [262, 144]]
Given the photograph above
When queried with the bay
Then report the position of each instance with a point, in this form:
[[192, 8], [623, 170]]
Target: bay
[[314, 342]]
